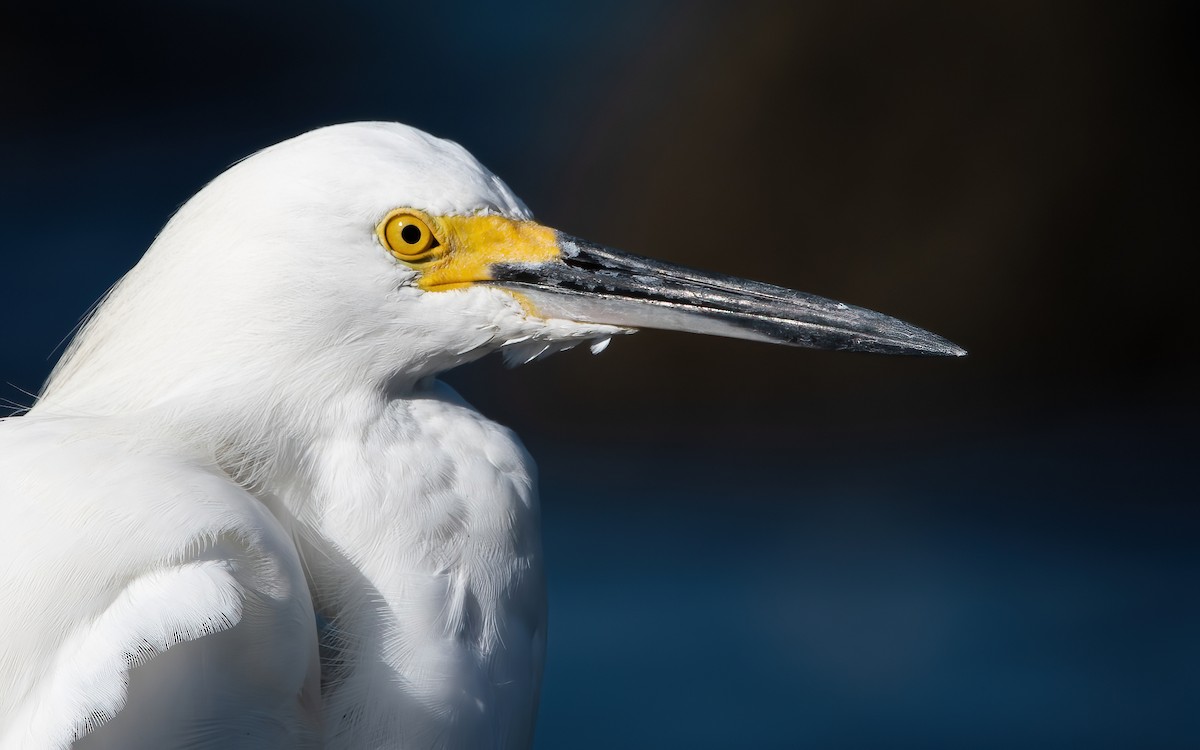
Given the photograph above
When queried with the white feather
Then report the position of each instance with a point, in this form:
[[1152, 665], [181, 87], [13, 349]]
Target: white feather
[[243, 445]]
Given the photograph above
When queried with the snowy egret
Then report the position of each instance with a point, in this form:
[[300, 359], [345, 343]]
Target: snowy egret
[[244, 514]]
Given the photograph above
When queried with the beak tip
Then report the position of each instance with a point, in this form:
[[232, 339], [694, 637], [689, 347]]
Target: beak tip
[[941, 347], [947, 348], [905, 338]]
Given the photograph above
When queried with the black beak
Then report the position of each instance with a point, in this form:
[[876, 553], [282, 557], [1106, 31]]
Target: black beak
[[595, 284]]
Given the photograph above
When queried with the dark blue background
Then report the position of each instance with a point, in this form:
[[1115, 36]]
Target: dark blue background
[[751, 546]]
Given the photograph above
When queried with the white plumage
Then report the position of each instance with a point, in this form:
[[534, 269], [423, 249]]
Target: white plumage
[[243, 514]]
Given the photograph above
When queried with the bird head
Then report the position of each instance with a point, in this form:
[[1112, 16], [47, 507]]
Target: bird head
[[375, 252]]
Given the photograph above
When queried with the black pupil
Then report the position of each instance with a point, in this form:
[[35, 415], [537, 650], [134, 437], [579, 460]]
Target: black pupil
[[411, 234]]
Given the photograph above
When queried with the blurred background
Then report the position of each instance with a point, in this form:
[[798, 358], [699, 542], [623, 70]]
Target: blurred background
[[750, 546]]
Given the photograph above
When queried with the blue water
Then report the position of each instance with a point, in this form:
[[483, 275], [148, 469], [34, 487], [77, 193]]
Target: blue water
[[990, 595]]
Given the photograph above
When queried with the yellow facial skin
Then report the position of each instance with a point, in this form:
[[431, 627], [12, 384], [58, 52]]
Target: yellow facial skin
[[467, 246]]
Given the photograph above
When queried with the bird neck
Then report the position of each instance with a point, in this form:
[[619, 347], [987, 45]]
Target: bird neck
[[255, 423]]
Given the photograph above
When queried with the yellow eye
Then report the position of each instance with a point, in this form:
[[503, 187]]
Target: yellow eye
[[408, 236]]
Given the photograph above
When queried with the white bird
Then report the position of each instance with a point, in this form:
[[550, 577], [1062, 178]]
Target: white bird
[[244, 514]]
